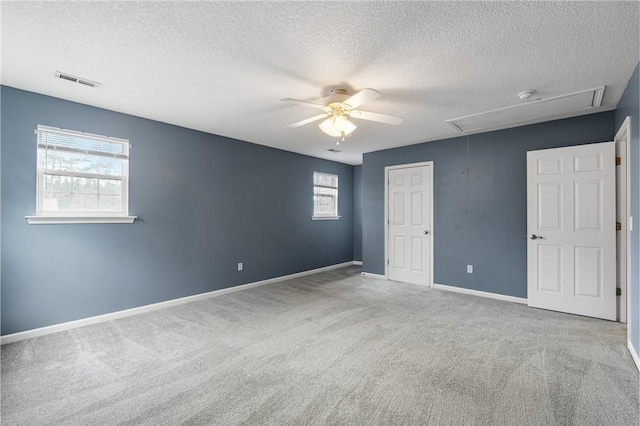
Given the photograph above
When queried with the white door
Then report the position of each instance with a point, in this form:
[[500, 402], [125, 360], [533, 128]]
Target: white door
[[571, 223], [409, 222]]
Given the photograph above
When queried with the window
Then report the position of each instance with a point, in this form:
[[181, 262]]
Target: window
[[325, 196], [81, 178]]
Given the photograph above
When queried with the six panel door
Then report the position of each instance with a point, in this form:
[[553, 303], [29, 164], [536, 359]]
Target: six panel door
[[571, 220], [409, 211]]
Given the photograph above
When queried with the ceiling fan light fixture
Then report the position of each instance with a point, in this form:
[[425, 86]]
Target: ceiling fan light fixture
[[338, 108], [337, 126]]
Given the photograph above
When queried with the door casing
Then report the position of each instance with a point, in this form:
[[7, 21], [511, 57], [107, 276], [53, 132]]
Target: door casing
[[622, 137]]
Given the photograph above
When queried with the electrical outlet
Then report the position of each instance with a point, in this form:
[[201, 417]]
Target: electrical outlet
[[240, 266], [469, 269]]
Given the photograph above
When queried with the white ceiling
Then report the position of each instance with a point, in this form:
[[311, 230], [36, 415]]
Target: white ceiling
[[222, 67]]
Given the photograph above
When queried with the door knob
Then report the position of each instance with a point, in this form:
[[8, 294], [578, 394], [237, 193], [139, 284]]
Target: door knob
[[535, 237], [426, 232]]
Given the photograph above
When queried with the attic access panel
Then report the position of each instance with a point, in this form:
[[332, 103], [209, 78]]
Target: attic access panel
[[530, 111]]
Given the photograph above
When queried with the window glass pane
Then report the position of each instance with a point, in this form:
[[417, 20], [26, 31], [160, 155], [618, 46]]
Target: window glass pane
[[110, 186], [56, 201], [324, 205], [110, 203], [78, 162], [85, 185], [53, 160], [325, 201], [84, 202], [57, 183], [107, 166]]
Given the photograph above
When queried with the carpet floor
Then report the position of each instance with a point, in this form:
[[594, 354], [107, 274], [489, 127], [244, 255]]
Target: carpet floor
[[330, 348]]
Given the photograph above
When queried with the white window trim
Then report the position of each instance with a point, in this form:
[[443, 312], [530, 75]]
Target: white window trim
[[325, 217], [53, 220], [50, 218]]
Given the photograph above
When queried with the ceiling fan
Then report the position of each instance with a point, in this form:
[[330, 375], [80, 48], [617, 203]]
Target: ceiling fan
[[340, 106]]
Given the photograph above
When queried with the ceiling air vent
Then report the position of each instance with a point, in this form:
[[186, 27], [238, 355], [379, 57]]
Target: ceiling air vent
[[333, 150], [529, 112], [79, 80]]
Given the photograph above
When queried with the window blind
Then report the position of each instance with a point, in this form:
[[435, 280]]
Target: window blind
[[325, 180], [70, 141]]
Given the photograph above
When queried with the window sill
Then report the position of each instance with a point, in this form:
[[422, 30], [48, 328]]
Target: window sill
[[325, 217], [51, 220]]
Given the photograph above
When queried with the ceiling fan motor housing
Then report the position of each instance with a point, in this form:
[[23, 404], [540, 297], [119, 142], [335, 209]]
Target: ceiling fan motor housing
[[337, 96]]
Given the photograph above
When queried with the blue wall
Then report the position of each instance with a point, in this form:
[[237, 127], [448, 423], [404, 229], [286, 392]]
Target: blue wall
[[357, 213], [480, 200], [204, 203], [629, 105]]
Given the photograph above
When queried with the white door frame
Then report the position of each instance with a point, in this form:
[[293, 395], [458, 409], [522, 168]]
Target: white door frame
[[623, 135], [386, 215]]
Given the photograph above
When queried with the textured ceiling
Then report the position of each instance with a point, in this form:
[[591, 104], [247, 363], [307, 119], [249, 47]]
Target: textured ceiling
[[222, 67]]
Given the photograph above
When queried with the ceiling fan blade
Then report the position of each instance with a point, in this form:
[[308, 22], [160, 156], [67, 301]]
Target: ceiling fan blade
[[307, 121], [374, 116], [363, 96], [305, 103]]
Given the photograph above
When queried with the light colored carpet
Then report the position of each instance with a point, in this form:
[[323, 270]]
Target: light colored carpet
[[332, 348]]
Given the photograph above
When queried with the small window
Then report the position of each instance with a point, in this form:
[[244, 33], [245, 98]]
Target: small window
[[81, 175], [325, 196]]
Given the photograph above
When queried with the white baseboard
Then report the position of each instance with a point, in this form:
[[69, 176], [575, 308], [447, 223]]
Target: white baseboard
[[370, 275], [357, 262], [634, 355], [481, 293], [36, 332]]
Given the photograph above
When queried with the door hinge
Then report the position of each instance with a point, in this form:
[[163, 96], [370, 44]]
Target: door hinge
[[618, 161], [618, 291], [618, 226]]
